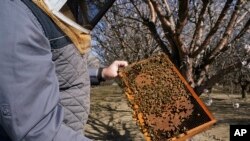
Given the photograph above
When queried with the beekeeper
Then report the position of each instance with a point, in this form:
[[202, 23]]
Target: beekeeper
[[44, 79]]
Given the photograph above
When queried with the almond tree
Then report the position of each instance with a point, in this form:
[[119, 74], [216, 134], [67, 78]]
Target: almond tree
[[239, 79], [193, 33]]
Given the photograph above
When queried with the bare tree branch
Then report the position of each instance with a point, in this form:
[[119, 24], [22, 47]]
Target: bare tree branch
[[137, 10], [164, 19], [216, 78], [198, 29], [106, 48], [183, 16], [152, 11], [131, 18], [156, 36], [243, 30], [178, 50], [222, 45], [210, 57], [242, 17], [227, 33], [214, 29], [169, 13]]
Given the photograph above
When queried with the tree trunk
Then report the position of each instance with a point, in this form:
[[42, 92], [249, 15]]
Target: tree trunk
[[243, 91]]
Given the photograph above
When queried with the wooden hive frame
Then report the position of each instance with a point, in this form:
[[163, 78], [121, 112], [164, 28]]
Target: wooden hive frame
[[164, 104]]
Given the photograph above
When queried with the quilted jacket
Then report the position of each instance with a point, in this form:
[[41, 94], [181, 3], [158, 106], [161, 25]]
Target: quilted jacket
[[71, 71], [32, 109]]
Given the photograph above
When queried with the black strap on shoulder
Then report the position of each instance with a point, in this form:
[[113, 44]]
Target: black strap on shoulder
[[57, 38]]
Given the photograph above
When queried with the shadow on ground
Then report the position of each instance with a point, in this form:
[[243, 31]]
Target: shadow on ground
[[111, 118], [107, 131]]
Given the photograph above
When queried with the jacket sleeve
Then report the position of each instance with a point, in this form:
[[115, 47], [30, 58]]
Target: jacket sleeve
[[29, 91], [95, 75]]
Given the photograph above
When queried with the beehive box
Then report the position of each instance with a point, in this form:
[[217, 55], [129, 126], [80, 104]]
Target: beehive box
[[164, 105]]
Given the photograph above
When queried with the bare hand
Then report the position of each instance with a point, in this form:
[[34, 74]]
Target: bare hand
[[112, 71]]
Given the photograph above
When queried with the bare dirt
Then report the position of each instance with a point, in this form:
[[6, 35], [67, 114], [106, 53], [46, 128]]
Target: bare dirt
[[111, 118]]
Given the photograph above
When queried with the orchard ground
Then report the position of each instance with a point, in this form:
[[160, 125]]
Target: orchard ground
[[111, 118]]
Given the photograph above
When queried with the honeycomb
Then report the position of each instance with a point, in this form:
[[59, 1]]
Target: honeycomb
[[164, 105]]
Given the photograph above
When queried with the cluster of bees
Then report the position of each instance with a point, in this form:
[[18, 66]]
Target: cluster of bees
[[159, 99]]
